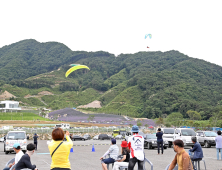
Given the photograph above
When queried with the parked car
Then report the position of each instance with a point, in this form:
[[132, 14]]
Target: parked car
[[150, 142], [87, 137], [184, 134], [168, 135], [2, 139], [103, 136], [15, 137], [206, 138], [96, 137], [78, 138], [110, 136], [119, 137]]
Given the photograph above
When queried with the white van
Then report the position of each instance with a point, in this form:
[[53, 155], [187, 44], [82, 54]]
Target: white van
[[168, 134], [185, 135], [15, 137], [63, 126]]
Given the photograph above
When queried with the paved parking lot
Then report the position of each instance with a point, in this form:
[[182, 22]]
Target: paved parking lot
[[84, 159]]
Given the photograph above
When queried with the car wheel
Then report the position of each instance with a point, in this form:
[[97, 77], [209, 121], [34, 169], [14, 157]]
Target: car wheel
[[165, 147], [169, 144], [74, 139], [206, 144], [6, 152], [148, 146]]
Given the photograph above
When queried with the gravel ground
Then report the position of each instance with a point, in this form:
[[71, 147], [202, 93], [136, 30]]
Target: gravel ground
[[84, 159]]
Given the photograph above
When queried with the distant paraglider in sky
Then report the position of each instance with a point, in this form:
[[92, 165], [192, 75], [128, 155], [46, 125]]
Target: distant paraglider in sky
[[74, 68], [148, 35]]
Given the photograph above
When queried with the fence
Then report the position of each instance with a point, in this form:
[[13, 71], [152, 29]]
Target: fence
[[74, 130]]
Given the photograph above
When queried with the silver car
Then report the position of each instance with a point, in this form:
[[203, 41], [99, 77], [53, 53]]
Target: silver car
[[206, 138], [119, 137], [96, 137]]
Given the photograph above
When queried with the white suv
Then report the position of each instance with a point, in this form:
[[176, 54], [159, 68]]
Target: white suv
[[15, 137], [168, 134], [184, 134]]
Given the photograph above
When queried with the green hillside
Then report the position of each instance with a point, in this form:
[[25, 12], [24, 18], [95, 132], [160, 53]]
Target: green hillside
[[144, 84]]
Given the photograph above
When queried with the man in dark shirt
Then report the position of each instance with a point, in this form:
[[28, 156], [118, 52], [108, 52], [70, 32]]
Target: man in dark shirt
[[159, 136], [25, 162], [35, 141]]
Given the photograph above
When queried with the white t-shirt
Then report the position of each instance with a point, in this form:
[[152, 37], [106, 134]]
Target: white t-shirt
[[136, 145], [18, 156]]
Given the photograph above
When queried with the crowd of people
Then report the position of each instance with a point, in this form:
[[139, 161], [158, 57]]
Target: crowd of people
[[132, 152]]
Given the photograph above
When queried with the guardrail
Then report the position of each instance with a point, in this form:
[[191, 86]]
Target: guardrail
[[79, 130]]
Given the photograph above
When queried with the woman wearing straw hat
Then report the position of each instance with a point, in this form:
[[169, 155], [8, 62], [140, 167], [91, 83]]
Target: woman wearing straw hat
[[126, 155]]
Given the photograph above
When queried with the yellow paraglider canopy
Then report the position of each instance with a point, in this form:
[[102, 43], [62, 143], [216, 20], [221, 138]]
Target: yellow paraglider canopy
[[75, 68]]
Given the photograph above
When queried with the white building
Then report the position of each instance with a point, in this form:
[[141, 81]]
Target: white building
[[8, 105]]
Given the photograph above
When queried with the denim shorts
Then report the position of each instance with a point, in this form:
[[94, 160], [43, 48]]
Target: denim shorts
[[108, 161]]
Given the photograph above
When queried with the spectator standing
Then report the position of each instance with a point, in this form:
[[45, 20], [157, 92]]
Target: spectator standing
[[113, 152], [159, 136], [182, 158], [60, 150], [18, 155], [35, 138], [136, 146], [70, 136], [125, 160], [218, 141], [197, 149], [25, 161]]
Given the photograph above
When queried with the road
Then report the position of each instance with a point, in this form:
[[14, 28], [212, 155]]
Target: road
[[84, 159]]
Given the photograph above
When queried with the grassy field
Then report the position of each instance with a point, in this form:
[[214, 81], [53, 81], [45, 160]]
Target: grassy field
[[20, 116]]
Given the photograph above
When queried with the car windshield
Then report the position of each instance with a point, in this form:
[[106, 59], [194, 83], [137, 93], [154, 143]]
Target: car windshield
[[151, 136], [16, 135], [188, 132], [168, 131], [210, 134], [141, 133]]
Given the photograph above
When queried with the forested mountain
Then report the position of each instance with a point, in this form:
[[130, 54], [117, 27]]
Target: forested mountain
[[144, 84]]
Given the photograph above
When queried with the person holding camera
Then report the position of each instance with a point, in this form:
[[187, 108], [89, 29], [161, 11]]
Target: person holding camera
[[60, 150]]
